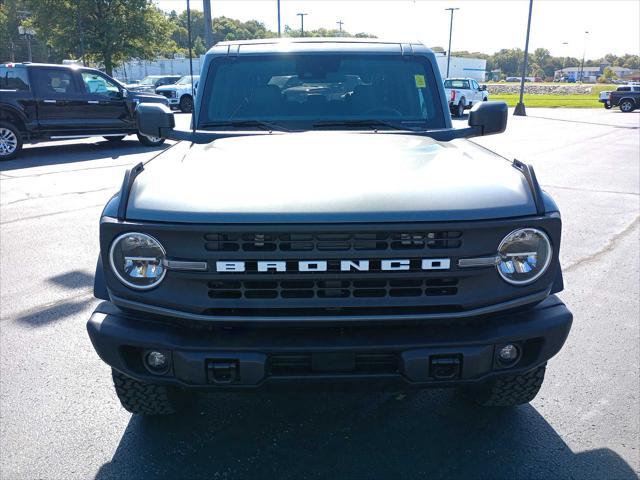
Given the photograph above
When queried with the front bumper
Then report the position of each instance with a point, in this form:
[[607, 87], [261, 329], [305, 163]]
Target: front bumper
[[432, 355]]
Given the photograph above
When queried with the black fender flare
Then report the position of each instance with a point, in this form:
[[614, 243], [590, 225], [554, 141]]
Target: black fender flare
[[100, 282]]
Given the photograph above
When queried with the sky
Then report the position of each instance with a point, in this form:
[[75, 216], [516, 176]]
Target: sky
[[485, 26]]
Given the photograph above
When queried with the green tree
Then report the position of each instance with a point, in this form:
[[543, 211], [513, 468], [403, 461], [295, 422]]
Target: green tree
[[607, 75], [107, 31]]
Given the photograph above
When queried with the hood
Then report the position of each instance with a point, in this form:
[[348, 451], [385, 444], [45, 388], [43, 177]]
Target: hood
[[147, 97], [328, 177]]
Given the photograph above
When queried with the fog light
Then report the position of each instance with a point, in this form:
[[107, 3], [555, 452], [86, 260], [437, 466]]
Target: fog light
[[508, 354], [157, 361]]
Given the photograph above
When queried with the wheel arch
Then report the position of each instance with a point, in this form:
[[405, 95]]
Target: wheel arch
[[12, 115]]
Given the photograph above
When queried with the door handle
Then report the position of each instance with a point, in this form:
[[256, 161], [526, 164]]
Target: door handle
[[49, 101], [93, 102]]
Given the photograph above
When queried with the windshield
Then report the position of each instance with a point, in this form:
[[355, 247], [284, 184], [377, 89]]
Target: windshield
[[148, 81], [456, 84], [303, 91], [186, 80]]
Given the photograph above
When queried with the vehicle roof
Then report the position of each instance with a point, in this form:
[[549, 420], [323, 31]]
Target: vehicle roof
[[70, 66], [164, 76], [458, 78], [370, 45]]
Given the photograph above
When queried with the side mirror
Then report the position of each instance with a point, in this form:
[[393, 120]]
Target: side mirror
[[483, 88], [155, 120], [488, 118], [124, 93]]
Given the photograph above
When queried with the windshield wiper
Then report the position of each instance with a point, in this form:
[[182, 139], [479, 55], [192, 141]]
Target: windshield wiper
[[360, 123], [246, 123]]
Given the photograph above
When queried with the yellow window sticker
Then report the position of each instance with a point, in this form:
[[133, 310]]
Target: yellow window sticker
[[420, 81]]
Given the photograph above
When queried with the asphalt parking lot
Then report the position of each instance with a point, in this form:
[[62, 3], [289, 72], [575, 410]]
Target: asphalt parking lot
[[59, 417]]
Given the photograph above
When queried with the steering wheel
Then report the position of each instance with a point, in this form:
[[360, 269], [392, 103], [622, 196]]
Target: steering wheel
[[383, 110]]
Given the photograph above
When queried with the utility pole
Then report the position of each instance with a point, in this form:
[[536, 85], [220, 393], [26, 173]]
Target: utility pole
[[340, 23], [450, 33], [208, 37], [564, 58], [301, 15], [520, 110], [279, 32], [584, 51]]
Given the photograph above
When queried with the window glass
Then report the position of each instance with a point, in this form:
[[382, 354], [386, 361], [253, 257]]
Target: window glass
[[97, 84], [456, 84], [56, 82], [474, 84], [322, 87], [13, 78]]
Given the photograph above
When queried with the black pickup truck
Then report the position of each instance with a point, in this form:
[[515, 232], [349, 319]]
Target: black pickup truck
[[626, 97], [41, 102]]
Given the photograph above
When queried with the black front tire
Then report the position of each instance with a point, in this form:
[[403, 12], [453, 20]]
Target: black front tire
[[607, 105], [186, 104], [150, 141], [626, 106], [10, 141], [509, 391], [143, 398], [459, 110], [117, 138]]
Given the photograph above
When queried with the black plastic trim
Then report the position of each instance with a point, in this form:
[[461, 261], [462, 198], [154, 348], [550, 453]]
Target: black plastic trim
[[129, 177], [532, 181]]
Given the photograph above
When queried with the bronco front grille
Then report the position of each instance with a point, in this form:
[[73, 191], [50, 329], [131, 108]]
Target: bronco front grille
[[328, 242], [301, 289]]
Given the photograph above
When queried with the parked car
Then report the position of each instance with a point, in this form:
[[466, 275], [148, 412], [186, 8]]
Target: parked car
[[150, 83], [40, 102], [180, 94], [327, 241], [464, 93], [626, 97]]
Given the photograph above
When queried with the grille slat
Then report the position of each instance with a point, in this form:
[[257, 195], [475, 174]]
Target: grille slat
[[328, 242], [251, 289]]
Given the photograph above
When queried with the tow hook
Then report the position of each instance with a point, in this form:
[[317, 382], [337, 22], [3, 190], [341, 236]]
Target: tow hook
[[222, 372], [445, 368]]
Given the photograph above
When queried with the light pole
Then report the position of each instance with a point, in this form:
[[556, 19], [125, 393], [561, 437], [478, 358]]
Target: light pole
[[302, 15], [450, 32], [520, 110], [564, 58], [208, 34], [584, 51], [279, 33]]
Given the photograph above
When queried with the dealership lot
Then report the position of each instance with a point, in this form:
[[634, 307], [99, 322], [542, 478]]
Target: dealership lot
[[60, 417]]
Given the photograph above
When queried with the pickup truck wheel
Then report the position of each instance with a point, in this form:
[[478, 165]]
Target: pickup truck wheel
[[150, 141], [146, 398], [186, 104], [117, 138], [459, 109], [10, 141], [510, 390], [607, 105], [626, 106]]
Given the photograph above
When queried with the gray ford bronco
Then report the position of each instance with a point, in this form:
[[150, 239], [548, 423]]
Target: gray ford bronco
[[324, 225]]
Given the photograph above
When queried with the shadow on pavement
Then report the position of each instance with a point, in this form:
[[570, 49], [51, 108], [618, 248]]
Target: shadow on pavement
[[80, 282], [429, 434], [94, 149]]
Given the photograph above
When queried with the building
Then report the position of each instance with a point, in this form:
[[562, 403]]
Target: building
[[475, 68], [589, 74]]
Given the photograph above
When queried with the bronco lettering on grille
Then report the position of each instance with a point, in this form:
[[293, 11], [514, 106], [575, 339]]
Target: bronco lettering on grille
[[322, 265]]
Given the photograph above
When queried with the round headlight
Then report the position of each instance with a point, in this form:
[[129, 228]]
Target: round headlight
[[137, 260], [523, 256]]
